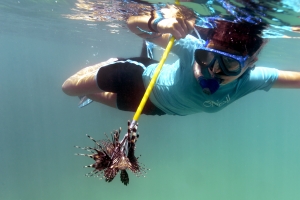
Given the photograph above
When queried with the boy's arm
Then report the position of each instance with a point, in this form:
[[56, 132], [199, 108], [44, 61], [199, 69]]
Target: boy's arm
[[287, 79], [177, 27]]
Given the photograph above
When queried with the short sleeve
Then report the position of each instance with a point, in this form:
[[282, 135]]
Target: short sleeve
[[185, 48], [263, 78], [259, 78]]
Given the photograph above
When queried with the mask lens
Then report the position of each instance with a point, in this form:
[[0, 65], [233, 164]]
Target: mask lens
[[232, 65], [204, 58]]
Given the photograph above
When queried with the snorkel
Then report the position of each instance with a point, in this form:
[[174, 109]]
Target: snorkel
[[208, 83]]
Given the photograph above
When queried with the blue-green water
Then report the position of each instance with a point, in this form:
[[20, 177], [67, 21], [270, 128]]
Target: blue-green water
[[248, 151]]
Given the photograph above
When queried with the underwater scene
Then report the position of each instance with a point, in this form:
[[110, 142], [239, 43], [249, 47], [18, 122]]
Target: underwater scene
[[247, 151]]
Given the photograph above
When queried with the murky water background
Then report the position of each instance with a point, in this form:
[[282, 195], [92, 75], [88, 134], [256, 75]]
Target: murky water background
[[250, 150]]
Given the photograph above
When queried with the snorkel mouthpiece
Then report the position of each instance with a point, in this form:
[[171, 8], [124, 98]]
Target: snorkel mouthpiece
[[209, 86]]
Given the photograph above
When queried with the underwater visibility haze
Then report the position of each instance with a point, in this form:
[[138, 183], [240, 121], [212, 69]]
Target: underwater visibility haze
[[249, 150]]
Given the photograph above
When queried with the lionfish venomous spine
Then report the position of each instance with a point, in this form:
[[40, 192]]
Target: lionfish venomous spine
[[112, 156]]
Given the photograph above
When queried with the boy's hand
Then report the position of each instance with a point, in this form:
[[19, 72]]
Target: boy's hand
[[178, 27]]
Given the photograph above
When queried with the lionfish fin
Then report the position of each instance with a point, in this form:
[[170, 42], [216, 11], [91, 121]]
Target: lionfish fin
[[81, 154], [91, 165]]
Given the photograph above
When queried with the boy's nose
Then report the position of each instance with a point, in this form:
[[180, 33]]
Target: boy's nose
[[216, 67]]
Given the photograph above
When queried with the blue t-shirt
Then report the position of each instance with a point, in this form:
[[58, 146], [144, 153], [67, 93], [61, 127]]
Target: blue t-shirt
[[177, 91]]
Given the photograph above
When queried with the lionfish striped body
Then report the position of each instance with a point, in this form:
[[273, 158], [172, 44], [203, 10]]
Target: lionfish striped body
[[112, 156]]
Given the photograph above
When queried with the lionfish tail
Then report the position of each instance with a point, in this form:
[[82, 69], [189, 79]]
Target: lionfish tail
[[124, 177]]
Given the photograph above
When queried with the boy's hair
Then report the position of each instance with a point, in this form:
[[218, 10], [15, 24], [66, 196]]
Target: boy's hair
[[243, 36]]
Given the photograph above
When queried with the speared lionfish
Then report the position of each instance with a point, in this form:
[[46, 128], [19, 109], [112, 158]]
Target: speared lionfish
[[112, 156]]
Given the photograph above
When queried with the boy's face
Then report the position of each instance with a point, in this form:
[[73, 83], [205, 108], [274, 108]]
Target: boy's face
[[216, 70]]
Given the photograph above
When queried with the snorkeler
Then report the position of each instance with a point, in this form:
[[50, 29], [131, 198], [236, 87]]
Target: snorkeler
[[209, 74]]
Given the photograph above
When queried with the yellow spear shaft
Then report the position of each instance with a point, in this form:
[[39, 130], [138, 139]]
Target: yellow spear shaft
[[153, 80]]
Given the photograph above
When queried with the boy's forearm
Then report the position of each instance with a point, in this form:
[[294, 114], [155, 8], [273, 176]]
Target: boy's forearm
[[138, 23], [287, 79]]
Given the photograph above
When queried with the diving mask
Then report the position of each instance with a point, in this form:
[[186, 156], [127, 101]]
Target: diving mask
[[230, 65]]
